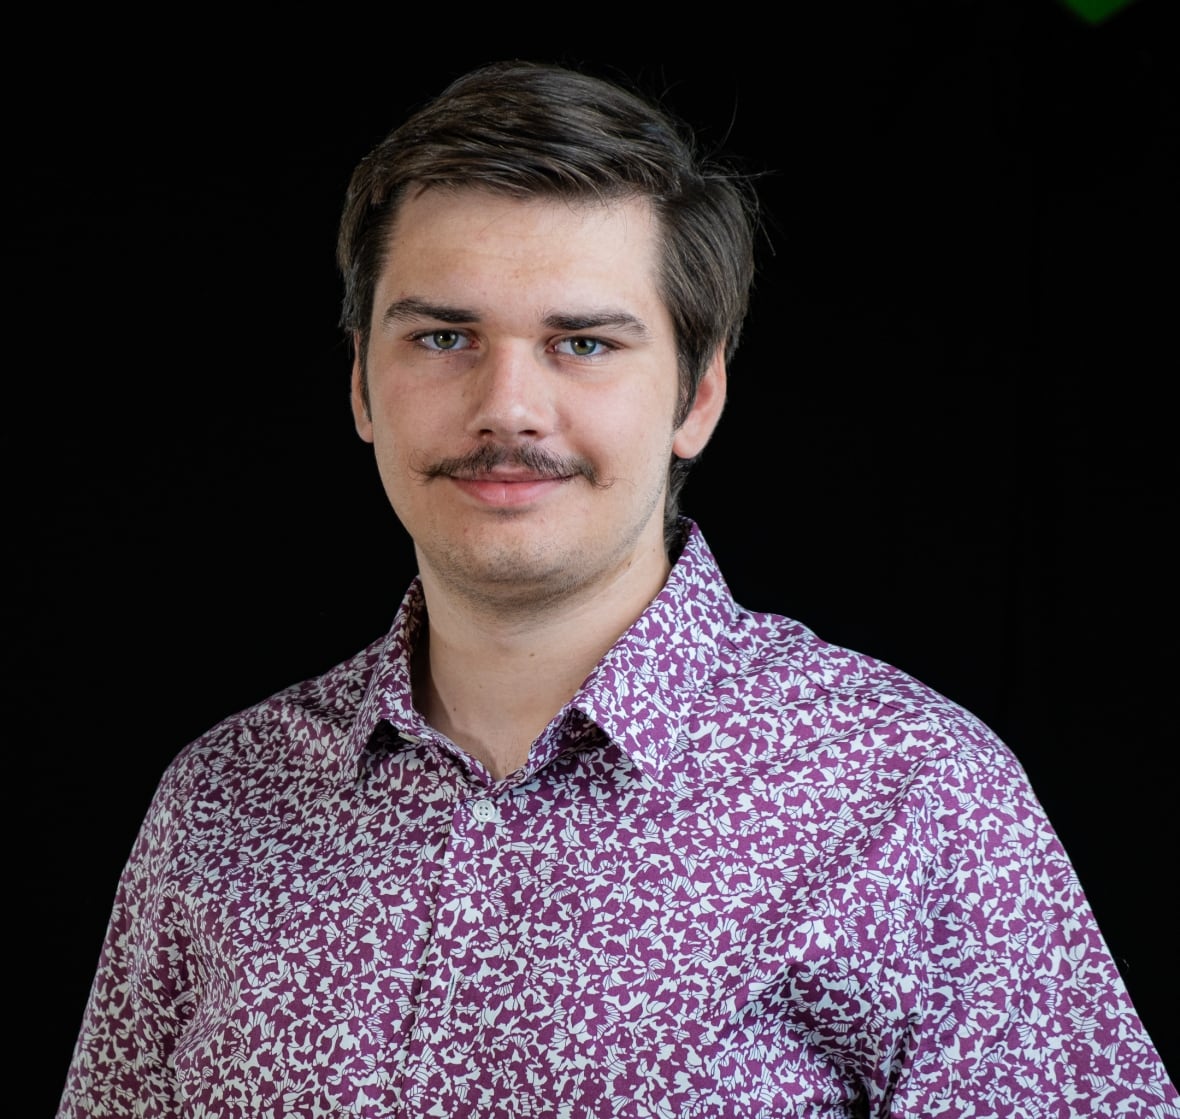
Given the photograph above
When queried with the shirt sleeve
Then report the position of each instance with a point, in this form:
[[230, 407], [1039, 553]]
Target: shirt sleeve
[[1023, 1010], [142, 992]]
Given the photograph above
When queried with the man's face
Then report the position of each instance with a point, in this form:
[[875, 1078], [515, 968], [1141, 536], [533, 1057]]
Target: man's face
[[522, 383]]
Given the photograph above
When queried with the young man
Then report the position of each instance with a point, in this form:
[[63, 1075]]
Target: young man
[[582, 836]]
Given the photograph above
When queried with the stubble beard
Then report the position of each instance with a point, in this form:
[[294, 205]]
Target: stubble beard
[[530, 575]]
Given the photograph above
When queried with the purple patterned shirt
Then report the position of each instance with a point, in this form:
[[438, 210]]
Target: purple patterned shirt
[[743, 873]]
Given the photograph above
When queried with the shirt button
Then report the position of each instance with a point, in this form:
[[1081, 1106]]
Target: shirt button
[[485, 811]]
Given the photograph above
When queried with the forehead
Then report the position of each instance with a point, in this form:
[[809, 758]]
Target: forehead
[[449, 234]]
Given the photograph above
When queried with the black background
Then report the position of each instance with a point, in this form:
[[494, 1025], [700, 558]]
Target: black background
[[948, 441]]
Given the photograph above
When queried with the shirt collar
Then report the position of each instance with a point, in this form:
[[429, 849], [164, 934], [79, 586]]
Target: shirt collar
[[389, 697], [639, 692]]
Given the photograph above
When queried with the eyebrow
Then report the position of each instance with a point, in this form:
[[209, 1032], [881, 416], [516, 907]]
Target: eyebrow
[[402, 310], [594, 320]]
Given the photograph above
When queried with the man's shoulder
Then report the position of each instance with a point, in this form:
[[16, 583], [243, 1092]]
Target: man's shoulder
[[309, 719], [770, 676], [801, 688]]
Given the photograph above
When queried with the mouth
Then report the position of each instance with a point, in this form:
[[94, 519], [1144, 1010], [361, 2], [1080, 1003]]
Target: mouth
[[508, 477], [501, 491]]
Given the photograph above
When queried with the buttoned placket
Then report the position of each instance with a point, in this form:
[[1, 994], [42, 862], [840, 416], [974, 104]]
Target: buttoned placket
[[462, 916]]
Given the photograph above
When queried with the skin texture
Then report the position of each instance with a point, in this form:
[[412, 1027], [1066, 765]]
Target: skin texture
[[522, 385], [595, 401]]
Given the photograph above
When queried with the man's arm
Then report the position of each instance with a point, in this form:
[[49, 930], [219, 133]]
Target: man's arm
[[140, 997], [1023, 1011]]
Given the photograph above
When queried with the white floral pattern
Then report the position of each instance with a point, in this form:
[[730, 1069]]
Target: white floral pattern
[[744, 873]]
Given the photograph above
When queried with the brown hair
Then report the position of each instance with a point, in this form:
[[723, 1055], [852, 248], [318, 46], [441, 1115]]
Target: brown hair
[[527, 129]]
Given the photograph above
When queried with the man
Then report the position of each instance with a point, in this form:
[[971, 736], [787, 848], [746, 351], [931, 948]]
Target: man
[[581, 836]]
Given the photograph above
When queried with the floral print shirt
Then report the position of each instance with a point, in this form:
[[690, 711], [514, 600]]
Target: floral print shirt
[[744, 872]]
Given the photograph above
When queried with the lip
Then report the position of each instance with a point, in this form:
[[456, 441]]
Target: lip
[[505, 491]]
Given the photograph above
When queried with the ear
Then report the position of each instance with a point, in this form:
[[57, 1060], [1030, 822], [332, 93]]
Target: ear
[[692, 435], [360, 404]]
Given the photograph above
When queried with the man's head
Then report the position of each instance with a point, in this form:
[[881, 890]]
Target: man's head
[[533, 131]]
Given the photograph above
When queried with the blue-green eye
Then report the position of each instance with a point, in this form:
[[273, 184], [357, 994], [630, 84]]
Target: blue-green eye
[[443, 340], [582, 347]]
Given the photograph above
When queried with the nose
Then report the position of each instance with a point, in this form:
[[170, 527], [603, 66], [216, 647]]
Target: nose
[[511, 395]]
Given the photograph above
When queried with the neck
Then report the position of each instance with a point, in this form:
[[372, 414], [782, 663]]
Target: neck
[[492, 680]]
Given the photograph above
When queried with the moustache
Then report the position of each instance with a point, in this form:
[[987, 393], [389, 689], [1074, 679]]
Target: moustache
[[538, 462]]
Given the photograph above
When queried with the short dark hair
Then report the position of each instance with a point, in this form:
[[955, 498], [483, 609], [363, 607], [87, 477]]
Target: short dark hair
[[528, 129]]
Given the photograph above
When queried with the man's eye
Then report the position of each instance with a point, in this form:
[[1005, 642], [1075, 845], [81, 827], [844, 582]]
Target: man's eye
[[443, 340], [582, 347]]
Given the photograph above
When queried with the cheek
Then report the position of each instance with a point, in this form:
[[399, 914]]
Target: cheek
[[643, 452], [412, 430], [647, 426], [402, 410]]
